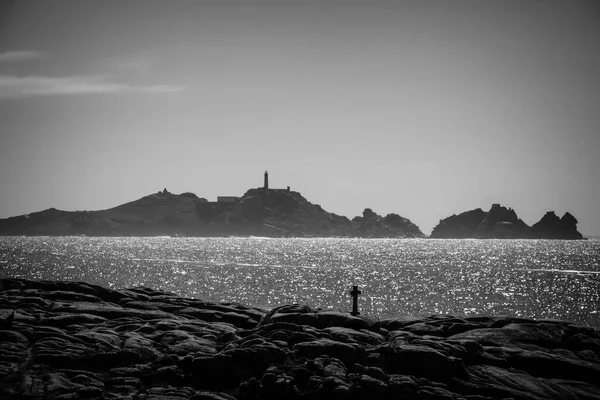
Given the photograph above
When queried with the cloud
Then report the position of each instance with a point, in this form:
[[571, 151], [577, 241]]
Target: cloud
[[25, 86], [16, 56]]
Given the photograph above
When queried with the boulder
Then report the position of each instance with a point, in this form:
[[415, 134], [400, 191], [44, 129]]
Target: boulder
[[347, 353]]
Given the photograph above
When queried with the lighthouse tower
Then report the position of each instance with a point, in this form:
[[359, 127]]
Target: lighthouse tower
[[266, 187]]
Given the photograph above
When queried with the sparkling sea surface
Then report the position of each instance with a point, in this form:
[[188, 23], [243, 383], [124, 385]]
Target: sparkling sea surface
[[398, 277]]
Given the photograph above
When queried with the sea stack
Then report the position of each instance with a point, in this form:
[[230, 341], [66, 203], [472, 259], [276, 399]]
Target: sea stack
[[503, 223]]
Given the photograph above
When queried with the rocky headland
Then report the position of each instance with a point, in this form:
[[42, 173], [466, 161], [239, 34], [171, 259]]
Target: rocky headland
[[503, 223], [259, 212], [68, 340], [374, 225]]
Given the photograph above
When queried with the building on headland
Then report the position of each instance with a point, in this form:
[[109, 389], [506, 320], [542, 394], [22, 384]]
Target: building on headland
[[266, 185], [265, 188]]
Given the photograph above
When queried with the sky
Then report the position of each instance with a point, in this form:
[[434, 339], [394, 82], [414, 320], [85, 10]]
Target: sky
[[422, 108]]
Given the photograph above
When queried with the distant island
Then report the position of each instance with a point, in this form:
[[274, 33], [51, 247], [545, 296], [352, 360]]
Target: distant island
[[260, 211], [270, 212], [503, 223]]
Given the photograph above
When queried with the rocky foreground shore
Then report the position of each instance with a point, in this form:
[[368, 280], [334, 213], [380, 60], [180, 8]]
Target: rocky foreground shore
[[68, 340]]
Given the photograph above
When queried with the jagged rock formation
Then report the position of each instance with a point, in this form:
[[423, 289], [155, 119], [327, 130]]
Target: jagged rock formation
[[70, 340], [459, 226], [503, 223], [550, 226], [275, 212], [392, 225], [259, 212]]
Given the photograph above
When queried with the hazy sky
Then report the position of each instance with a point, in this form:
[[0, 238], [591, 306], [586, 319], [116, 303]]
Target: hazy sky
[[421, 108]]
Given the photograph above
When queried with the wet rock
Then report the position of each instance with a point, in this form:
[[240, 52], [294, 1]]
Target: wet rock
[[363, 337], [500, 383], [59, 384], [301, 375], [33, 386], [211, 396], [420, 360], [170, 393], [136, 371], [332, 318], [299, 337], [251, 360], [335, 367], [347, 353], [435, 393], [423, 328], [171, 375], [89, 392], [402, 386], [308, 319], [87, 381], [105, 340], [372, 388], [524, 335], [13, 337], [266, 329], [553, 365], [216, 371], [397, 324], [147, 344], [287, 317], [182, 343], [376, 373], [237, 319], [142, 348], [69, 296], [58, 351]]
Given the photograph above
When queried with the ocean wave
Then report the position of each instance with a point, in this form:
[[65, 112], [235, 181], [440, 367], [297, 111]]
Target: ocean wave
[[559, 271], [167, 260]]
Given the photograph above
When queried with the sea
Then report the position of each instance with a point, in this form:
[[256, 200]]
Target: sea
[[542, 279]]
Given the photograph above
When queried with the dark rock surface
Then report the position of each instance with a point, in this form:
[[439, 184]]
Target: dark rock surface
[[503, 223], [550, 226], [259, 212], [459, 226], [80, 341], [372, 224]]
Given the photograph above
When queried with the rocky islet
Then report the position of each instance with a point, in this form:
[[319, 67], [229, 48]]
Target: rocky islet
[[503, 223], [69, 340], [274, 213]]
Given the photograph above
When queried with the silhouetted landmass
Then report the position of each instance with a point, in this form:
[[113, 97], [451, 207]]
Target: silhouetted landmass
[[459, 226], [73, 340], [259, 212], [503, 223], [550, 227], [392, 225]]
